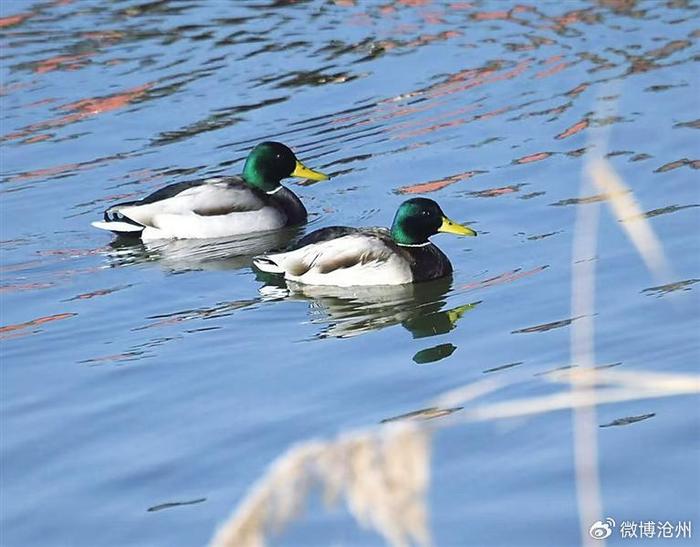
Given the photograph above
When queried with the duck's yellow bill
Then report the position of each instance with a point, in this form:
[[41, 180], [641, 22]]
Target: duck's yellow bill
[[452, 227], [304, 172]]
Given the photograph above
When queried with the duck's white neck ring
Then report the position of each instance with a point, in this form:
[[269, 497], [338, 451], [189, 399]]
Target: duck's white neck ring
[[274, 191], [414, 244]]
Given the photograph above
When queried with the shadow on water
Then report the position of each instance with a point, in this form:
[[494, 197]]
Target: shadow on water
[[344, 312], [180, 255]]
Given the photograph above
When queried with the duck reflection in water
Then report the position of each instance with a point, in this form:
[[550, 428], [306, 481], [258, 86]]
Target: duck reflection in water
[[344, 312], [181, 255]]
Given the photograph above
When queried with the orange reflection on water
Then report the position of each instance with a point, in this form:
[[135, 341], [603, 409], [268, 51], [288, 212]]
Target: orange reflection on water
[[10, 331], [572, 17], [67, 62], [107, 36], [47, 171], [434, 185], [14, 19], [490, 15], [468, 79], [558, 67], [99, 292], [24, 287], [539, 156], [577, 90], [495, 192], [60, 169], [506, 277], [576, 128], [98, 105], [81, 110], [38, 138]]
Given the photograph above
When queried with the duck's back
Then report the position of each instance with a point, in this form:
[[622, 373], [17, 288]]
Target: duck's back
[[215, 207]]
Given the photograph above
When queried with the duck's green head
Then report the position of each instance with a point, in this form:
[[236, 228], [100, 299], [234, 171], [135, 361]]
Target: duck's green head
[[270, 162], [419, 218]]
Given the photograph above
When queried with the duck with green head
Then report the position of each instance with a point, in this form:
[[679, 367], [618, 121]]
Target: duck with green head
[[255, 201], [344, 256]]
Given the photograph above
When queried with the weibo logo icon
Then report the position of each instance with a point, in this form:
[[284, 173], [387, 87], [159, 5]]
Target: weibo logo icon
[[602, 529]]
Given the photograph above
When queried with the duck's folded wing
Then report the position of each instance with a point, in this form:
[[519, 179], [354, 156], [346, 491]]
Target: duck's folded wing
[[353, 259], [210, 198]]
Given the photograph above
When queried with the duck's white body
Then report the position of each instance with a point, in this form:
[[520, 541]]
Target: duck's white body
[[217, 207], [363, 258]]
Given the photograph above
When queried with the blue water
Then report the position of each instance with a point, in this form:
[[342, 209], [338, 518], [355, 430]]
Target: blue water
[[139, 376]]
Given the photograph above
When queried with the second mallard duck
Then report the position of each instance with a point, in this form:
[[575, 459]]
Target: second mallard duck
[[221, 206], [343, 256]]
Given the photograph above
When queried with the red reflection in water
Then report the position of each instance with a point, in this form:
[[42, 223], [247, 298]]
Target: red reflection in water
[[424, 39], [434, 185], [83, 109], [99, 292], [431, 128], [14, 19], [492, 113], [495, 192], [452, 114], [490, 15], [67, 62], [108, 36], [25, 287], [576, 128], [38, 138], [539, 156], [506, 277], [60, 169], [468, 79], [40, 102], [572, 17], [558, 67], [10, 88], [432, 17], [99, 105], [33, 323], [577, 90], [551, 71], [47, 172]]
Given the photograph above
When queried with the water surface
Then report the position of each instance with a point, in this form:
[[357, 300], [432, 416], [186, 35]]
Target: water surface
[[145, 387]]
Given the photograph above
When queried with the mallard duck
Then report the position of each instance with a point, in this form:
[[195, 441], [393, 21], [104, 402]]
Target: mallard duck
[[255, 201], [343, 256]]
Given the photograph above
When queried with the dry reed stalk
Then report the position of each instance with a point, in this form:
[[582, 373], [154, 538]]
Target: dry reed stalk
[[382, 473], [585, 431], [605, 388], [628, 212]]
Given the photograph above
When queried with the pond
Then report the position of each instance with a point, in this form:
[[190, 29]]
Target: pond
[[146, 387]]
